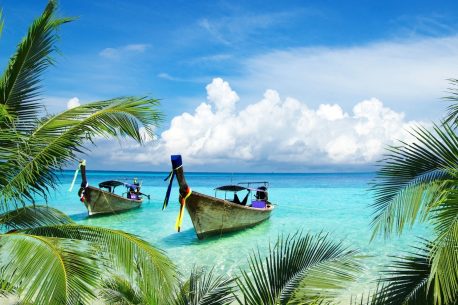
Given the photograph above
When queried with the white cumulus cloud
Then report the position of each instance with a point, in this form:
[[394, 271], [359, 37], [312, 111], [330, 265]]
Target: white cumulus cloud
[[401, 73], [274, 130], [73, 102]]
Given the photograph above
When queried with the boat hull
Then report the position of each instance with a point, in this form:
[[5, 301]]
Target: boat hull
[[100, 202], [214, 216]]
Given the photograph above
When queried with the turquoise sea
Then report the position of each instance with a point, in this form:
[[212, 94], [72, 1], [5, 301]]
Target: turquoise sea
[[338, 204]]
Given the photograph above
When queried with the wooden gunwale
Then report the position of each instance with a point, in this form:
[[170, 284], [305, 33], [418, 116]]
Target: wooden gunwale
[[213, 216], [98, 201], [107, 203]]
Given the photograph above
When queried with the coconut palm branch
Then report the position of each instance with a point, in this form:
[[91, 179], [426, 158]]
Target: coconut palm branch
[[32, 149], [444, 274], [452, 110], [202, 288], [407, 279], [299, 270], [33, 216], [20, 82], [122, 252], [413, 179], [419, 182], [205, 288], [20, 87], [56, 140], [444, 250], [50, 270], [47, 256], [119, 291], [126, 253]]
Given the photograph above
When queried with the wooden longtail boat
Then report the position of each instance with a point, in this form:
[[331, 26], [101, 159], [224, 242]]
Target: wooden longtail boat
[[103, 200], [214, 216]]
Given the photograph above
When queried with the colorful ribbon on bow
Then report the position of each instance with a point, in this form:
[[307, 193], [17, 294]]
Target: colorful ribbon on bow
[[170, 177], [182, 206]]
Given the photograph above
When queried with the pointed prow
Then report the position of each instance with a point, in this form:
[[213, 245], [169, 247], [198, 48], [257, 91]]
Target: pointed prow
[[82, 166], [177, 165]]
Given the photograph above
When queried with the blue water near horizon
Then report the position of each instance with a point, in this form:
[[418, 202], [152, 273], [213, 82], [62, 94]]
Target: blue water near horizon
[[334, 203]]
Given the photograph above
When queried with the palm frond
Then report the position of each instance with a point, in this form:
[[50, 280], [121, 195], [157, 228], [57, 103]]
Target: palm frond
[[444, 252], [445, 213], [33, 216], [20, 82], [299, 269], [407, 281], [50, 270], [412, 176], [127, 254], [120, 291], [452, 111], [204, 288], [6, 288], [444, 268], [56, 140]]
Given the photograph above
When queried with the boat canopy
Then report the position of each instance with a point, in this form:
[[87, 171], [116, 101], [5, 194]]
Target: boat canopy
[[231, 188], [237, 187], [115, 183]]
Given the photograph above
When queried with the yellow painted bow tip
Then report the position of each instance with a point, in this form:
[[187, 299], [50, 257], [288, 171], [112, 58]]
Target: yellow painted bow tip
[[179, 220]]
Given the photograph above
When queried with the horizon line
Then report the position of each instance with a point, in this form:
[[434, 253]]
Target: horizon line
[[220, 172]]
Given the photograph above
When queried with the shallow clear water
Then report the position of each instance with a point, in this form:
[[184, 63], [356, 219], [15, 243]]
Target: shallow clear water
[[337, 204]]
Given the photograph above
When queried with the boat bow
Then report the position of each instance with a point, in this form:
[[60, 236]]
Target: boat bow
[[211, 215]]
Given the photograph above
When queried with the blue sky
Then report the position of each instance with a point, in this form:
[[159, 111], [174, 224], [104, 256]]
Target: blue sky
[[233, 56]]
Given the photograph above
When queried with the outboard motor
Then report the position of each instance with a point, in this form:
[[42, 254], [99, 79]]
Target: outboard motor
[[262, 194]]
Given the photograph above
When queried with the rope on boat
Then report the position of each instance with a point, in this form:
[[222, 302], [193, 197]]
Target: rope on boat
[[182, 206], [76, 174]]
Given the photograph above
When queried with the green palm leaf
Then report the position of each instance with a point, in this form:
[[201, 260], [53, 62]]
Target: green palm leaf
[[127, 254], [20, 83], [204, 288], [56, 140], [299, 270], [33, 216], [413, 178], [50, 270], [7, 290], [444, 252], [407, 281], [444, 268], [52, 260], [120, 291], [452, 110]]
